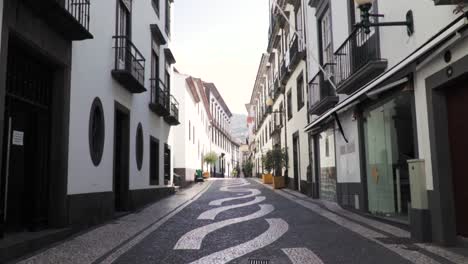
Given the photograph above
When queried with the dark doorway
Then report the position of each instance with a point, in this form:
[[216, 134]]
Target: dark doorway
[[296, 160], [26, 149], [457, 106], [121, 158]]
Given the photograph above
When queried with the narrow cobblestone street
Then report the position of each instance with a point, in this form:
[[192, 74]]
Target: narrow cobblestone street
[[234, 221]]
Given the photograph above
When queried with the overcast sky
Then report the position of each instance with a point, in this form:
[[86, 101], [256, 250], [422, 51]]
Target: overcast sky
[[221, 41]]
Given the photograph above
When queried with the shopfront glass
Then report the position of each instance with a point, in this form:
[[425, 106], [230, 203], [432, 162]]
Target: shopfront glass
[[327, 165], [389, 144]]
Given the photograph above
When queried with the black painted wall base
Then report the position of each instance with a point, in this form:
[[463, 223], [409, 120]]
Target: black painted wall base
[[306, 188], [85, 210], [346, 195], [140, 198], [421, 225]]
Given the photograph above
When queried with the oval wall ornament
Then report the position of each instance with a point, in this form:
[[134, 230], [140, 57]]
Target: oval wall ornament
[[96, 132]]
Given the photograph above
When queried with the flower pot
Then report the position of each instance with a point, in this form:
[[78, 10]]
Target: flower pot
[[278, 182], [267, 178]]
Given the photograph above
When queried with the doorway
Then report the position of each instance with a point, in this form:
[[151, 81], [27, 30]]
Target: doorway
[[121, 158], [457, 108], [26, 149], [296, 160]]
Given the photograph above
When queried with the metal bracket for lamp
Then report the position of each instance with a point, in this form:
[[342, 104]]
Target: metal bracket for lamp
[[366, 24]]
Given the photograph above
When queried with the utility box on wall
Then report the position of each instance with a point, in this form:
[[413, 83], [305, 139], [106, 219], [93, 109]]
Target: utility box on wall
[[419, 212], [417, 174]]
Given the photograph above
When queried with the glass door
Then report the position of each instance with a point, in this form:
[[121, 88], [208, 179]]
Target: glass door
[[389, 140]]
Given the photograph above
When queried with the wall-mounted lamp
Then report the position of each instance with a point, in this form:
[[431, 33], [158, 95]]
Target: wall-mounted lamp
[[365, 7]]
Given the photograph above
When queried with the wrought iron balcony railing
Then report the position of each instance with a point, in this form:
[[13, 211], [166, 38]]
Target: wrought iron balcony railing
[[357, 61], [159, 102], [129, 65], [322, 95], [173, 117], [297, 52], [70, 18], [80, 10]]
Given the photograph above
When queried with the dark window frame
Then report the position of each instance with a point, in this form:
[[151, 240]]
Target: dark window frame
[[156, 6], [300, 91], [167, 164], [289, 106], [154, 161]]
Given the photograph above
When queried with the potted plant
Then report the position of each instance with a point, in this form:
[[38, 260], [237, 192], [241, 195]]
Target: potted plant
[[210, 158], [268, 166], [279, 159], [248, 167]]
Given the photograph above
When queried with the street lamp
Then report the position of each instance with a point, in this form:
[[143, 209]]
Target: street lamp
[[269, 103], [365, 7]]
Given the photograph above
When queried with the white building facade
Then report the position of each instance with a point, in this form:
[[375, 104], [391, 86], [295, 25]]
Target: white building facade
[[366, 104], [378, 142], [121, 104], [205, 127]]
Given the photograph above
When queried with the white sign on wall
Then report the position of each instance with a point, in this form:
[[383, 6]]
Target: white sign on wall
[[17, 138]]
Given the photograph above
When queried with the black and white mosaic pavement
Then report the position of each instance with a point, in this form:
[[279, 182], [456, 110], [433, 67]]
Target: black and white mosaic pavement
[[263, 226], [238, 220]]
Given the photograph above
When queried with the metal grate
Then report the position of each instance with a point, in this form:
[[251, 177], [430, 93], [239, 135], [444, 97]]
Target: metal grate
[[259, 261]]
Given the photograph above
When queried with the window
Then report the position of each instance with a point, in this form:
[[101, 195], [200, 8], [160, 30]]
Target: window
[[154, 161], [189, 131], [168, 17], [298, 18], [96, 132], [327, 147], [124, 8], [168, 82], [326, 42], [139, 146], [289, 106], [300, 92], [155, 64], [281, 115], [156, 6]]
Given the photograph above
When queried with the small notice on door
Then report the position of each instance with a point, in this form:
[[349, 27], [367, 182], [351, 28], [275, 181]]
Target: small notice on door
[[17, 139]]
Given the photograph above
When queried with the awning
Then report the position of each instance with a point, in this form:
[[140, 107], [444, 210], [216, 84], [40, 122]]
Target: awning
[[169, 56], [157, 34], [438, 39]]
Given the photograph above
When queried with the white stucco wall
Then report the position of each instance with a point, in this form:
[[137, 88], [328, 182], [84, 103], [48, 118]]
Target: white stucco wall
[[347, 154], [297, 124], [91, 77]]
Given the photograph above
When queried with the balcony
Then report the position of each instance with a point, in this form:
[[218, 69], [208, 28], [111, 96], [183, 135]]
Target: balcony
[[322, 96], [173, 117], [278, 88], [159, 102], [70, 18], [358, 61], [285, 73], [297, 53], [129, 65]]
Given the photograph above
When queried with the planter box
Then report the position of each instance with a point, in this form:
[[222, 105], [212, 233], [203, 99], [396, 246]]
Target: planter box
[[267, 178], [206, 175], [278, 182]]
